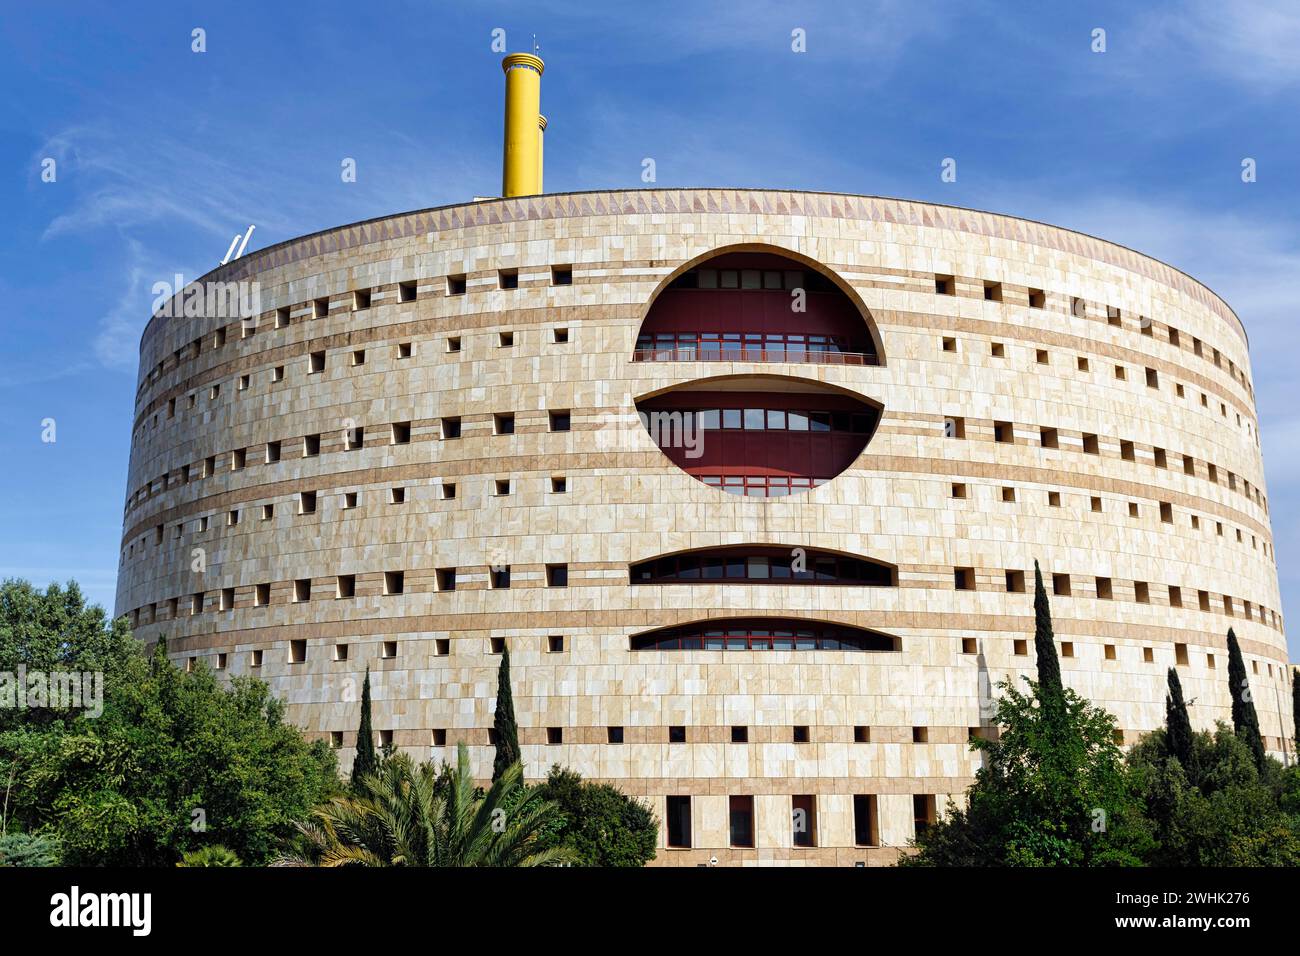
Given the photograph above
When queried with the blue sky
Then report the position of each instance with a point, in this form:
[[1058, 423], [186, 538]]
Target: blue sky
[[163, 155]]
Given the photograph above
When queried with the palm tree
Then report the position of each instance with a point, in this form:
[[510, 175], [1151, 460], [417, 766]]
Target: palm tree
[[414, 815]]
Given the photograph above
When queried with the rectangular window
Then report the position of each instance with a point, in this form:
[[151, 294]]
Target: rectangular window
[[451, 428], [310, 446], [456, 285], [804, 820], [261, 595], [864, 820], [360, 300], [320, 308], [316, 362], [677, 734], [614, 735], [557, 575], [272, 452], [345, 587], [302, 590], [508, 278], [678, 822], [561, 275], [964, 579], [401, 434], [741, 821], [406, 291], [394, 582], [297, 650], [503, 424], [923, 812], [559, 421], [446, 579]]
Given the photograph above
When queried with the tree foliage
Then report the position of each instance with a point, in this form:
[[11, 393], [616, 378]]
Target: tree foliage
[[604, 826], [175, 762], [409, 814], [365, 762], [503, 721]]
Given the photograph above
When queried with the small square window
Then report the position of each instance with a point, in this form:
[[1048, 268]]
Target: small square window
[[557, 575], [944, 285], [502, 486], [354, 438], [1180, 655], [1037, 299], [508, 278], [1153, 378], [1008, 494], [677, 734], [282, 317], [255, 659], [614, 735], [1091, 446], [561, 275], [949, 344], [958, 490], [1067, 648], [244, 381], [1054, 499], [800, 734], [316, 362], [1175, 596], [1141, 592], [221, 661], [438, 737], [559, 484], [445, 579], [969, 645], [964, 578], [920, 735], [1133, 509], [503, 423], [500, 577], [451, 427], [442, 647], [261, 594], [306, 502], [456, 285], [268, 512], [1095, 503], [360, 300], [1004, 432], [406, 291], [505, 340], [559, 421], [320, 308], [394, 582], [1015, 581], [388, 650], [297, 650], [401, 433], [404, 350], [496, 645], [1041, 356], [861, 734], [555, 735], [359, 357], [1061, 585], [345, 586], [448, 490], [302, 590], [559, 336], [227, 599], [1105, 589], [739, 735], [993, 291], [1020, 647], [277, 374], [340, 652], [554, 643], [998, 350], [1082, 364], [453, 343]]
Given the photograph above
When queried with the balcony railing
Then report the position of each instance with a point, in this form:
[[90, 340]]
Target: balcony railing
[[754, 355]]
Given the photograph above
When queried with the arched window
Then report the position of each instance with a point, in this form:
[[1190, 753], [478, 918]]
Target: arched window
[[763, 564], [763, 634]]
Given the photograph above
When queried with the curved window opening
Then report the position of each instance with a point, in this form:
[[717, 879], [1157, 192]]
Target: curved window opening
[[764, 565], [755, 307], [758, 437], [763, 634]]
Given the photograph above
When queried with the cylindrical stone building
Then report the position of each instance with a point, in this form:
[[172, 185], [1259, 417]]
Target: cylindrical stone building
[[751, 484]]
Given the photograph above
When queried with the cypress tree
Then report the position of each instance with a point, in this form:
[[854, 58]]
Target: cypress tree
[[507, 732], [1049, 666], [365, 761], [1244, 719], [1295, 706], [1178, 726]]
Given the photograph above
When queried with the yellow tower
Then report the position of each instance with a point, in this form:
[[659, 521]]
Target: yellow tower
[[522, 167]]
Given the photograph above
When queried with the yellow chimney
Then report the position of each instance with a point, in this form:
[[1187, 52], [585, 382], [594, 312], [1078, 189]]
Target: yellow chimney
[[541, 144], [522, 167]]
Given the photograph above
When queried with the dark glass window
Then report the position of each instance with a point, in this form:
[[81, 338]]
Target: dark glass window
[[679, 822], [741, 811]]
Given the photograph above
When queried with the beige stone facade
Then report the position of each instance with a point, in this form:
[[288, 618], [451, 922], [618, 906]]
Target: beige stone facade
[[1143, 493]]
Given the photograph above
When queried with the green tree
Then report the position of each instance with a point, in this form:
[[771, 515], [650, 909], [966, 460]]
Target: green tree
[[604, 826], [1049, 665], [26, 849], [365, 761], [1226, 813], [415, 815], [176, 761], [215, 855], [1295, 707], [1244, 719], [1178, 725], [503, 721], [1052, 792]]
